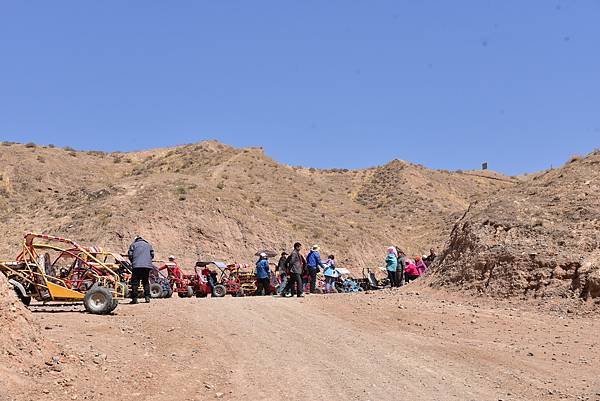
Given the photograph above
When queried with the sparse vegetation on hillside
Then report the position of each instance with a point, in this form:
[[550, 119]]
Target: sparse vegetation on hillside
[[241, 200]]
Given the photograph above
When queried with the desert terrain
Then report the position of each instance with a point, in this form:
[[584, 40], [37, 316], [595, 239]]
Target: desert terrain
[[388, 345], [509, 310]]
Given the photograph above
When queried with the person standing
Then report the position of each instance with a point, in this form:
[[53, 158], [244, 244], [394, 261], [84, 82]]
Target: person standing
[[281, 270], [263, 274], [391, 265], [400, 267], [295, 263], [313, 261], [331, 274], [140, 255]]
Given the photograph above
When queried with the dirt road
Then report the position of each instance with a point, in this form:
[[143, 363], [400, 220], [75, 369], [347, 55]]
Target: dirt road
[[379, 346]]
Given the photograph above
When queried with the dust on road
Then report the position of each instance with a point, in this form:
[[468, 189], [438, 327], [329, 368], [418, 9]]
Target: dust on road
[[388, 345]]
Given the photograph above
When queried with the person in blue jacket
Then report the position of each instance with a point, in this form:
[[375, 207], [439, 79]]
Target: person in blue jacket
[[313, 262], [263, 274], [391, 265]]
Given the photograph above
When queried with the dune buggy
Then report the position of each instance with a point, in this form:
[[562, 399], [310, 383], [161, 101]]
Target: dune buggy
[[50, 268]]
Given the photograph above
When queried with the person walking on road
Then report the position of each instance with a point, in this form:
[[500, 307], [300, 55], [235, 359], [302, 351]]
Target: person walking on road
[[263, 275], [391, 265], [295, 263], [313, 261], [140, 255]]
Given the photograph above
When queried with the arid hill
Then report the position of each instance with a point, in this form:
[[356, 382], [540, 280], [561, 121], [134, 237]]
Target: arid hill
[[537, 239], [22, 347], [209, 200]]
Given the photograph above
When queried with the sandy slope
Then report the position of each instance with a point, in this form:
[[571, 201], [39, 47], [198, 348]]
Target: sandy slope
[[379, 346]]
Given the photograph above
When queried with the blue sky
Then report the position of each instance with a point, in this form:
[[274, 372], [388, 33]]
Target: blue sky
[[447, 84]]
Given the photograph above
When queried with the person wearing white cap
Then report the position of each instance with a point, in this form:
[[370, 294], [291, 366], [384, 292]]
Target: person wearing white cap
[[263, 283], [173, 269], [313, 262]]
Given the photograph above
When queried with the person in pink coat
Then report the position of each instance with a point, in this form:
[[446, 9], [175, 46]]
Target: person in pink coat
[[410, 271], [421, 266]]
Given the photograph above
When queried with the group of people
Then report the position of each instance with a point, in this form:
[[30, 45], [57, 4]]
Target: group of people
[[401, 269], [294, 270]]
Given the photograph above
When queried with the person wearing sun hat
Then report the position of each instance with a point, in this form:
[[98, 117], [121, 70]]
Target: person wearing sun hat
[[313, 262], [262, 275]]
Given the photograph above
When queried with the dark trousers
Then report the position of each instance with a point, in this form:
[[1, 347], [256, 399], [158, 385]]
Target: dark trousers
[[313, 279], [399, 277], [295, 278], [392, 277], [138, 275], [262, 286]]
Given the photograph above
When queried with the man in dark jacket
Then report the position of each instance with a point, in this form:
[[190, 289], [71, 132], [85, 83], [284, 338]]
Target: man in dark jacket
[[141, 255], [400, 268], [295, 263]]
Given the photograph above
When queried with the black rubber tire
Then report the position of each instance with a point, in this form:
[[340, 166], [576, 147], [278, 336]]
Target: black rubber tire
[[182, 295], [169, 293], [114, 305], [98, 301], [24, 298], [156, 290], [219, 291], [190, 291]]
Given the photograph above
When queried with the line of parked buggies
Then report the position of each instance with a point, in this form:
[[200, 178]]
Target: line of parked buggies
[[55, 269]]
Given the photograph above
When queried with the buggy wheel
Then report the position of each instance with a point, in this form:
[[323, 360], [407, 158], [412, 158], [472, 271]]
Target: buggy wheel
[[169, 293], [190, 291], [114, 305], [98, 301], [219, 291], [156, 290], [182, 295], [26, 299]]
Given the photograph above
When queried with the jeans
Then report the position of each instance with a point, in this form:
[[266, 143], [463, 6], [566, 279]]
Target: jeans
[[392, 277], [330, 284], [283, 279], [263, 286], [294, 278], [138, 275]]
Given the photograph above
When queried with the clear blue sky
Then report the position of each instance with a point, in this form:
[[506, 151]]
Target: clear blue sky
[[447, 84]]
